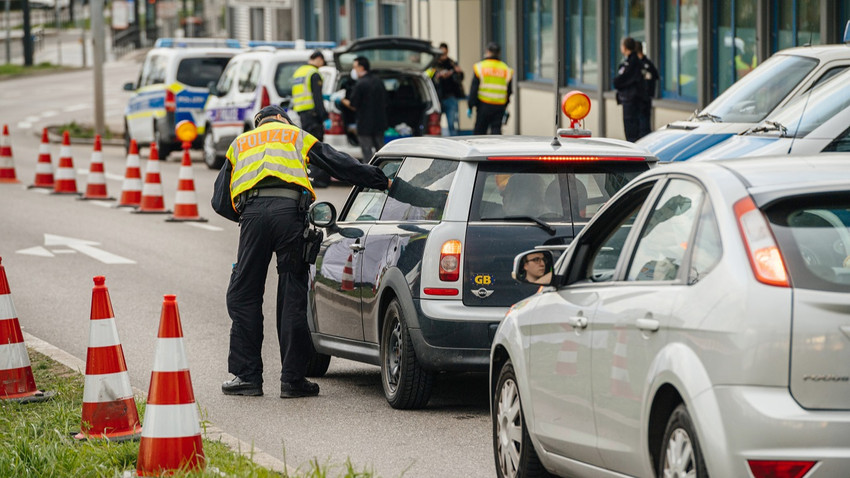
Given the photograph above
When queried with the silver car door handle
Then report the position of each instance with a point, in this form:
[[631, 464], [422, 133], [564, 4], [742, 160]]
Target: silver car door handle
[[577, 322], [649, 325], [356, 247]]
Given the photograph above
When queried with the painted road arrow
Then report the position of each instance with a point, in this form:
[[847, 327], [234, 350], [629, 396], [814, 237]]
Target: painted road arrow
[[79, 245]]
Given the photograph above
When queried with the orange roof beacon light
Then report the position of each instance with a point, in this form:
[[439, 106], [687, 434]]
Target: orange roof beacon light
[[576, 105], [186, 132]]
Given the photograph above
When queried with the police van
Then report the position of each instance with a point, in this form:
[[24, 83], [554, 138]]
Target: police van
[[254, 79], [173, 86]]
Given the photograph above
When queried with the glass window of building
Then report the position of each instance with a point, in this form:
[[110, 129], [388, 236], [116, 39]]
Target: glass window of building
[[365, 18], [503, 28], [679, 47], [627, 20], [539, 42], [312, 19], [394, 18], [734, 42], [795, 23], [582, 67], [338, 29], [843, 17]]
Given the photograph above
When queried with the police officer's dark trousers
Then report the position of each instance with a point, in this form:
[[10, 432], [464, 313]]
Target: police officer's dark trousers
[[489, 117], [631, 119], [269, 225]]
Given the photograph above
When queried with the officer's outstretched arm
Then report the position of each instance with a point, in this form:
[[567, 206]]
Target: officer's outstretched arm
[[344, 167]]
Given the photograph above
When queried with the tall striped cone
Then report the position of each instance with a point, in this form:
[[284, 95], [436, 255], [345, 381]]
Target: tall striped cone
[[131, 190], [96, 182], [7, 161], [44, 167], [152, 200], [186, 201], [171, 437], [109, 409], [347, 274], [17, 383], [66, 175]]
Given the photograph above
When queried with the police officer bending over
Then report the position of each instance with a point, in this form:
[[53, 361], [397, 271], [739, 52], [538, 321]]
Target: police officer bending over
[[264, 185]]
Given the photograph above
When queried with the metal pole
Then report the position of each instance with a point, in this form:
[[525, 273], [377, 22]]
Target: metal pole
[[58, 32], [81, 25], [98, 38], [8, 33], [25, 9]]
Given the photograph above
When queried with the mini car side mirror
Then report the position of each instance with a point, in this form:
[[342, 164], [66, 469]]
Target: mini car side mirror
[[213, 89], [322, 214], [534, 267], [129, 87]]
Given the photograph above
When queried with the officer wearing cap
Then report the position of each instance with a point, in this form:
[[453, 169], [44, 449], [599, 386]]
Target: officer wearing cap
[[264, 186]]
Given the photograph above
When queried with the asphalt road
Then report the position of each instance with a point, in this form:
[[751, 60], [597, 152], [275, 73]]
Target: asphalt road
[[52, 293]]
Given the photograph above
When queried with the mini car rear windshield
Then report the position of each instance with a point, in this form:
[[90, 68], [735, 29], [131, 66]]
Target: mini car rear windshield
[[199, 72], [814, 237], [550, 192]]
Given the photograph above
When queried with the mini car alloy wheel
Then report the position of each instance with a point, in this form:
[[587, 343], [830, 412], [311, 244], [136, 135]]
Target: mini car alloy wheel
[[212, 159], [512, 448], [681, 456], [406, 384]]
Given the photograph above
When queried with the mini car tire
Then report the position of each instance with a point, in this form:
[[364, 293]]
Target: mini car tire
[[680, 453], [406, 384], [212, 159], [513, 459], [317, 364]]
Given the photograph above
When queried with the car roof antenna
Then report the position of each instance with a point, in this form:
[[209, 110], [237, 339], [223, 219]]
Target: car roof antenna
[[555, 142], [800, 121]]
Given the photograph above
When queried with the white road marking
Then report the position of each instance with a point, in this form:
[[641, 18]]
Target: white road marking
[[77, 107], [102, 203], [36, 251], [49, 114], [24, 125], [63, 251], [204, 226], [86, 247], [116, 177], [32, 119], [41, 190]]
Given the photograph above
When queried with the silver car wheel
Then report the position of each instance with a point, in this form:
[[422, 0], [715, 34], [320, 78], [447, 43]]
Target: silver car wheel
[[679, 459], [394, 357], [509, 428]]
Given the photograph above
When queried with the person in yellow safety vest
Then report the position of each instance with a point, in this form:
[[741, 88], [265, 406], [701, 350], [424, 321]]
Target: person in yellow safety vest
[[490, 92], [307, 101], [264, 186], [745, 62]]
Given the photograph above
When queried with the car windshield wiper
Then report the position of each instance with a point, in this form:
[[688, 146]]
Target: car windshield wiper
[[767, 126], [706, 116], [543, 224]]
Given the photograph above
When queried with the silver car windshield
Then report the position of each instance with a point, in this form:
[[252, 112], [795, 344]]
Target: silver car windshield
[[752, 98]]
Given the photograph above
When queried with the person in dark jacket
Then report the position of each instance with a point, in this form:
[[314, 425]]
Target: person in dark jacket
[[448, 81], [631, 88], [650, 76], [264, 186], [369, 103], [490, 92]]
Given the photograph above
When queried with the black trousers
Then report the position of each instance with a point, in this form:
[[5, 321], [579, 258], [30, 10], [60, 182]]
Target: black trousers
[[489, 117], [370, 144], [311, 123], [645, 119], [631, 119], [269, 225]]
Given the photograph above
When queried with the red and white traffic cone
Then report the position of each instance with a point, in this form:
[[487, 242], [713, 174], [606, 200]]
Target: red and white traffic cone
[[131, 190], [620, 383], [186, 201], [7, 161], [109, 408], [66, 175], [17, 383], [44, 167], [171, 437], [348, 274], [567, 359], [96, 182], [152, 199]]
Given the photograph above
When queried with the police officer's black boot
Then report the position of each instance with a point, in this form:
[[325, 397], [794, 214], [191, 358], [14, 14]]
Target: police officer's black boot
[[302, 388], [237, 386]]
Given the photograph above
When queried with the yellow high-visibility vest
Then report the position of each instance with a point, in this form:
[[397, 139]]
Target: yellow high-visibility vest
[[494, 77], [270, 150], [302, 92]]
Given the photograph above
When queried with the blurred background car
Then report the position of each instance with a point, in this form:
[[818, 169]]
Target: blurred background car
[[697, 326]]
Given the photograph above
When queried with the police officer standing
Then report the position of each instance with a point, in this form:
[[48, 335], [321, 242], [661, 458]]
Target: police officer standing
[[307, 101], [490, 92], [264, 185], [631, 88]]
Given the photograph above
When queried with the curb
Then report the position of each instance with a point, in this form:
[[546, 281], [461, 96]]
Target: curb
[[210, 432]]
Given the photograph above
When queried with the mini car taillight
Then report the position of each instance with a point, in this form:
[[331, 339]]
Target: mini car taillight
[[265, 100], [566, 159], [780, 468], [170, 101], [765, 257], [434, 127], [337, 126], [450, 261]]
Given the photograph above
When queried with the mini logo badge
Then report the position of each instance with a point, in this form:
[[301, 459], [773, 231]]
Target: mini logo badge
[[482, 293]]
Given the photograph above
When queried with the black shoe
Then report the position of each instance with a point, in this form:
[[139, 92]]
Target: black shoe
[[303, 388], [237, 386]]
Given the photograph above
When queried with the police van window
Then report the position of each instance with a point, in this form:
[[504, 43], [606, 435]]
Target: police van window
[[226, 80], [199, 72], [368, 203], [249, 75], [154, 71], [283, 77], [420, 190]]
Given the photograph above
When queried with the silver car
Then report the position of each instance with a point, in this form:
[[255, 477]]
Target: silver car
[[698, 325]]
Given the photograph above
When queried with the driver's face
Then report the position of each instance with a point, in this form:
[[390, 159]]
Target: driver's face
[[535, 266]]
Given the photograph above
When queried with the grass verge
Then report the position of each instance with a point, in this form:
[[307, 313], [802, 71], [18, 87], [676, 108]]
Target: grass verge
[[12, 71], [35, 439], [77, 130]]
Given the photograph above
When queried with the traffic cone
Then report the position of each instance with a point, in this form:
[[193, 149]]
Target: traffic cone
[[131, 190], [620, 383], [186, 202], [567, 359], [66, 175], [96, 182], [109, 408], [347, 275], [17, 383], [44, 167], [152, 200], [7, 162], [171, 437]]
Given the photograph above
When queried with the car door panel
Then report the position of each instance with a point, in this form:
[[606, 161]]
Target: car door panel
[[337, 298]]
